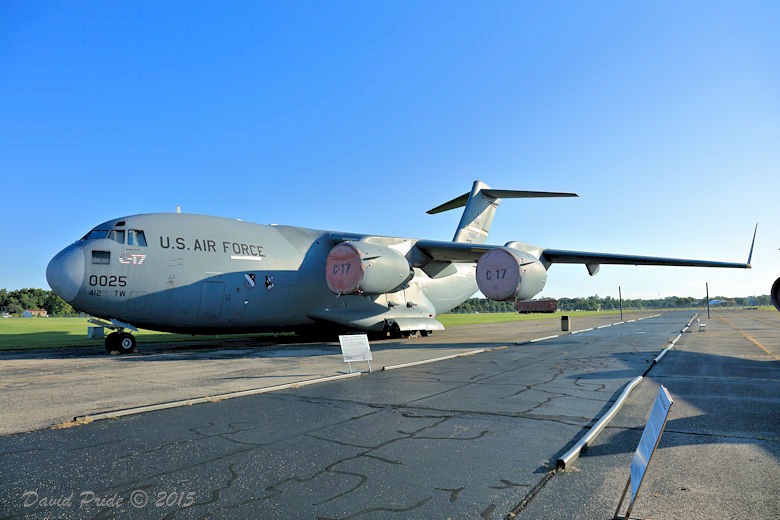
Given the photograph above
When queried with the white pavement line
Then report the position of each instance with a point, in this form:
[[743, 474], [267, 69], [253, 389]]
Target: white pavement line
[[209, 399], [662, 354], [583, 330], [544, 338], [426, 361], [691, 321], [669, 347], [604, 326], [572, 455]]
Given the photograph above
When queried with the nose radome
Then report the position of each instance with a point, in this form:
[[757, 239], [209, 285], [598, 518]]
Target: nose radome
[[65, 272]]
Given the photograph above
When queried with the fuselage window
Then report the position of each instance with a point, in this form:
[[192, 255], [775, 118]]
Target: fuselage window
[[135, 237], [117, 235], [101, 257]]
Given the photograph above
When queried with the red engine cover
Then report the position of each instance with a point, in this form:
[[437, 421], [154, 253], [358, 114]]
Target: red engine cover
[[344, 269]]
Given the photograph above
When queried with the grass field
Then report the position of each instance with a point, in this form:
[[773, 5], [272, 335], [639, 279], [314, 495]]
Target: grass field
[[30, 333], [497, 317]]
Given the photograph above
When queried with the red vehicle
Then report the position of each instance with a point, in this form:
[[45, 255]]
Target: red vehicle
[[529, 306]]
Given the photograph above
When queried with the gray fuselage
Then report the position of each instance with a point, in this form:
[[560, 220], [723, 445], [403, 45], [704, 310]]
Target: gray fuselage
[[204, 274]]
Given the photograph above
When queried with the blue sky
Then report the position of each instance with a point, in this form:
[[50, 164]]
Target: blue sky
[[360, 116]]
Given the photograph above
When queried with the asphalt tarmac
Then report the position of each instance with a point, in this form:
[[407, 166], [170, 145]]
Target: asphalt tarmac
[[468, 437], [42, 388]]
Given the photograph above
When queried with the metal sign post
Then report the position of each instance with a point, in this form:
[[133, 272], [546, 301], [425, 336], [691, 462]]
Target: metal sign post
[[646, 448], [355, 347]]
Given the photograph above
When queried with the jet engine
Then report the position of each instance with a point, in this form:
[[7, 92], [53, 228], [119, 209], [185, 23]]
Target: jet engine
[[360, 267], [775, 294], [505, 274]]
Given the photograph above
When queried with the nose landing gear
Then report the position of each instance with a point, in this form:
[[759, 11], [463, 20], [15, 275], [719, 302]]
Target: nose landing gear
[[119, 340], [122, 342]]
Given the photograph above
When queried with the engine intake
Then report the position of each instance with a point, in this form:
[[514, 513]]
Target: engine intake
[[506, 274], [359, 267], [775, 294]]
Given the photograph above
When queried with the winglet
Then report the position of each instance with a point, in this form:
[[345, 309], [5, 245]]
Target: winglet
[[750, 256]]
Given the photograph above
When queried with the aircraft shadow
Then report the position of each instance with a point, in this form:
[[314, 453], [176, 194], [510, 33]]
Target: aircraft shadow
[[718, 399]]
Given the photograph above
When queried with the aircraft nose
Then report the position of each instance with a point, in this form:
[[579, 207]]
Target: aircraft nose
[[65, 272]]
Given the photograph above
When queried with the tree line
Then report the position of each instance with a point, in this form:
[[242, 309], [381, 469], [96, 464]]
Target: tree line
[[596, 303], [16, 302]]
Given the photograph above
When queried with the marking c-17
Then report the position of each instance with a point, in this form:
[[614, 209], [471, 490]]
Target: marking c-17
[[202, 274]]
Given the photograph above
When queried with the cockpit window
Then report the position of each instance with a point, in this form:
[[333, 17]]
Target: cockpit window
[[95, 234], [135, 237], [117, 235]]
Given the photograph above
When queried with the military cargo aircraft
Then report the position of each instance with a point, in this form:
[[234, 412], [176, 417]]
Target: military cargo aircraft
[[202, 274]]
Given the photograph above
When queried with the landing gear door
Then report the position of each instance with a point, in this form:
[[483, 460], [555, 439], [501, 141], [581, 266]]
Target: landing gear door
[[396, 300], [211, 297]]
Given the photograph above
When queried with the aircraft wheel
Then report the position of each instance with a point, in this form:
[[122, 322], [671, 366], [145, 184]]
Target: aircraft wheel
[[425, 333], [126, 343], [112, 342]]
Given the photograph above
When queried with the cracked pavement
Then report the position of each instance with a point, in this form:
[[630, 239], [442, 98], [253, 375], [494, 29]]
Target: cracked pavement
[[718, 456], [461, 438]]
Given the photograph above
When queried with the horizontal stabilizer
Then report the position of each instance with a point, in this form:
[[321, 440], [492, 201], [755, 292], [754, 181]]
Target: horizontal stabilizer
[[459, 202]]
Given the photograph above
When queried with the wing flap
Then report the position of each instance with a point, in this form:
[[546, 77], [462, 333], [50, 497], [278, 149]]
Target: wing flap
[[452, 251]]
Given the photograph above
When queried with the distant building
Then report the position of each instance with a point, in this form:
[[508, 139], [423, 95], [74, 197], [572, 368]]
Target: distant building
[[35, 313]]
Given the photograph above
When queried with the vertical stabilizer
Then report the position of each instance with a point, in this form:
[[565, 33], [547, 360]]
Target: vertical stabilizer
[[477, 216]]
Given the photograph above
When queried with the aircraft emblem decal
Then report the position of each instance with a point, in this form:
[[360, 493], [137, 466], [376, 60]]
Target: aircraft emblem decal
[[249, 280], [132, 259]]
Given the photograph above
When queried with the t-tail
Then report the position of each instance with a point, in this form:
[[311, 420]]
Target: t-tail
[[480, 208]]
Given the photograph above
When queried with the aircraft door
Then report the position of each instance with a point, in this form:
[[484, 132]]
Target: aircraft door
[[211, 297]]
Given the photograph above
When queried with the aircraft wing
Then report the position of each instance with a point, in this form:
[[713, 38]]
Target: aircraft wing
[[441, 251], [593, 260], [461, 252], [562, 256]]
